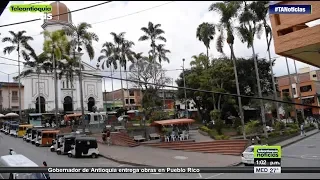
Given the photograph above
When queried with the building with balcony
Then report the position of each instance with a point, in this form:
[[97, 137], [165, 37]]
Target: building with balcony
[[309, 86], [9, 96], [295, 35]]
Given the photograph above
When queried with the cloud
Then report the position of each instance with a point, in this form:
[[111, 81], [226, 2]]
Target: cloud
[[178, 19]]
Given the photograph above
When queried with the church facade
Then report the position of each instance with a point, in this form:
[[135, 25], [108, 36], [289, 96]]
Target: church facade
[[68, 94]]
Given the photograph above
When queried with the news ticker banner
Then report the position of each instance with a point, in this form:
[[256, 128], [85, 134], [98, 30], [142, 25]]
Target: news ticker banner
[[133, 170], [290, 9], [267, 159]]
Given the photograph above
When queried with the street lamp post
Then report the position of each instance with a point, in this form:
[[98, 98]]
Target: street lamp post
[[185, 91], [81, 92]]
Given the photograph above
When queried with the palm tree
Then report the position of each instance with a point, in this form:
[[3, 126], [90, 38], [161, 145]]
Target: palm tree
[[137, 60], [126, 55], [161, 53], [261, 10], [55, 47], [228, 11], [82, 37], [18, 42], [249, 27], [205, 33], [109, 60]]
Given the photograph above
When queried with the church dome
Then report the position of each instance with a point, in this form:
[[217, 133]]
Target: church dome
[[60, 8]]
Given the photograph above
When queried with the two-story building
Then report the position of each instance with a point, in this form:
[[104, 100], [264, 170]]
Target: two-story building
[[9, 96], [309, 86], [133, 97]]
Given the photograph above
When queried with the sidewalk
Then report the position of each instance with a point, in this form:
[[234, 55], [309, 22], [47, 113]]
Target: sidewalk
[[149, 156], [293, 140]]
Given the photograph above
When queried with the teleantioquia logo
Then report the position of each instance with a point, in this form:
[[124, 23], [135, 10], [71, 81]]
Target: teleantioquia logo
[[30, 8]]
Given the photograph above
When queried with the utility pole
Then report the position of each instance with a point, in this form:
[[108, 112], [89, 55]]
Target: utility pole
[[185, 91], [112, 88], [9, 90], [292, 94], [39, 100], [298, 88], [81, 92], [20, 113], [56, 90]]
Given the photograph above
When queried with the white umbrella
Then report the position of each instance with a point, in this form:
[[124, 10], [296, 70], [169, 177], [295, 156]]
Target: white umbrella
[[12, 115]]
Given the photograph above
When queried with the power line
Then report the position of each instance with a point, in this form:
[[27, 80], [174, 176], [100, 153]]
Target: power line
[[9, 64], [205, 91], [9, 59], [32, 20], [137, 12]]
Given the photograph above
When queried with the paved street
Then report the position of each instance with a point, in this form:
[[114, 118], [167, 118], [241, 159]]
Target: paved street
[[302, 154], [40, 154]]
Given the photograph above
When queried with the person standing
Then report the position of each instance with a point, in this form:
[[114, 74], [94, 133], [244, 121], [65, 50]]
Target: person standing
[[108, 137], [302, 130]]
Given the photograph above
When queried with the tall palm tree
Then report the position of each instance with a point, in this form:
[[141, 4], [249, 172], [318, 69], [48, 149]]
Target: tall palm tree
[[161, 53], [249, 28], [55, 47], [261, 10], [18, 41], [80, 36], [205, 33], [228, 12], [109, 60], [126, 55]]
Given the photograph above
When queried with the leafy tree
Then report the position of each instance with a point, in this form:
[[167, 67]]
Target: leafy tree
[[228, 12], [288, 108], [18, 42], [205, 33], [248, 29]]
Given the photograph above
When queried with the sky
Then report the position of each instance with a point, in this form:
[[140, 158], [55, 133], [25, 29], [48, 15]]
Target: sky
[[179, 20]]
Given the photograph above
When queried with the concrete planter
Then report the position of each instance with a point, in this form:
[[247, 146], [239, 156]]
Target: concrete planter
[[203, 133]]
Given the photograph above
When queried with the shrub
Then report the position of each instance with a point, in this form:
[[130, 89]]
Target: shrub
[[221, 137], [312, 125], [274, 134], [293, 131], [204, 129], [293, 126], [280, 126], [213, 133], [218, 123], [252, 127]]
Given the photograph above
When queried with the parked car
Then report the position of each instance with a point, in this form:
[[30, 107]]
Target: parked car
[[247, 157]]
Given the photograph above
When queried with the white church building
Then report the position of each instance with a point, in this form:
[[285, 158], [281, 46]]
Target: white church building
[[68, 95]]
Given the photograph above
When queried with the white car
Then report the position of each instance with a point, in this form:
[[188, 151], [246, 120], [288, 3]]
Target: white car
[[247, 157]]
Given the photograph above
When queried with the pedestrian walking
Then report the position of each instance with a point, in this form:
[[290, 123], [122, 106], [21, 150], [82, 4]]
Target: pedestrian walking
[[108, 137], [302, 130], [46, 165]]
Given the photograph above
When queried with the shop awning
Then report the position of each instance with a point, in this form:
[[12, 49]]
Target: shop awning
[[172, 122], [307, 97]]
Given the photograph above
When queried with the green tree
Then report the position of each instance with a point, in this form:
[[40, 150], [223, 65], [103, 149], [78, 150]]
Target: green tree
[[248, 29], [205, 33], [54, 47], [18, 42], [261, 10], [228, 12], [153, 32], [288, 108]]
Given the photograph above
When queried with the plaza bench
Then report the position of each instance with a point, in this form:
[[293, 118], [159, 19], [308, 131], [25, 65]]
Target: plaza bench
[[139, 138], [154, 136]]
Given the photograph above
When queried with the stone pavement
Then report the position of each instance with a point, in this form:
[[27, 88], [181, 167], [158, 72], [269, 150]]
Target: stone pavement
[[149, 156]]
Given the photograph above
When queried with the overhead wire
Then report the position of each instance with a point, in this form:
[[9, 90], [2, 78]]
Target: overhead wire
[[32, 20], [205, 91]]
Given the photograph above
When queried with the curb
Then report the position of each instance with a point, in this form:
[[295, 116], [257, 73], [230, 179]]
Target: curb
[[123, 162], [234, 164]]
